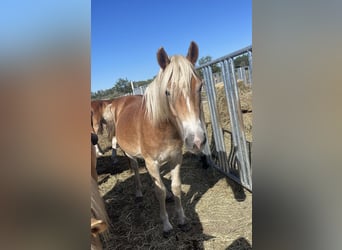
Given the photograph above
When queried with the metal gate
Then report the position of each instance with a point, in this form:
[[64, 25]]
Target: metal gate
[[235, 164]]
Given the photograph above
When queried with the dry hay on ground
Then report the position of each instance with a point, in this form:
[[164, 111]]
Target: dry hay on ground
[[245, 94], [218, 210]]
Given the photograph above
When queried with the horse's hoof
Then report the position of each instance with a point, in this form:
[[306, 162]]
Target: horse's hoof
[[167, 234], [138, 199], [186, 227]]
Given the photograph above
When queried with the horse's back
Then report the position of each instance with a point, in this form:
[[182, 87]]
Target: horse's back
[[131, 102]]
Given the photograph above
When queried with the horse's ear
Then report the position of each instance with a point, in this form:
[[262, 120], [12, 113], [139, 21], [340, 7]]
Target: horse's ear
[[163, 58], [192, 53]]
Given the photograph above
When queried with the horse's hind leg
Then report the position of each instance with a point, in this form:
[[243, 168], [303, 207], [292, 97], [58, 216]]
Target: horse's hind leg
[[160, 191], [177, 192], [114, 146], [135, 168]]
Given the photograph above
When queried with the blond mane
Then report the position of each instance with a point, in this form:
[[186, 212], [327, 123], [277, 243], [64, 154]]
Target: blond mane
[[176, 78]]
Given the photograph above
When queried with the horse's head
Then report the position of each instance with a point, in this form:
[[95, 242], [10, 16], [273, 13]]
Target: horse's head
[[183, 95], [97, 109]]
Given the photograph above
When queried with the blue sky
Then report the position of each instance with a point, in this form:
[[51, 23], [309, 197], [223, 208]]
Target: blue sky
[[125, 35]]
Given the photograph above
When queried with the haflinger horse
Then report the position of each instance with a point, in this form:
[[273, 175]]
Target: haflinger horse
[[155, 126], [98, 107], [99, 219]]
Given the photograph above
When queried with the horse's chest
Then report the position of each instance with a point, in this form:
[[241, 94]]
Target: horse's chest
[[164, 148], [167, 153]]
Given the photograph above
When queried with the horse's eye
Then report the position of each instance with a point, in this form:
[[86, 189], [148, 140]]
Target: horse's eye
[[167, 93]]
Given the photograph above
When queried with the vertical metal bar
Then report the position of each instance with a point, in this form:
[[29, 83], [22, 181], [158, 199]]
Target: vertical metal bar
[[240, 73], [244, 76], [226, 77], [250, 69], [206, 149], [132, 86], [216, 127], [239, 138]]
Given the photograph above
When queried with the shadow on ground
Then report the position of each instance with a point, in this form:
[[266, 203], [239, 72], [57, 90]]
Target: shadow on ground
[[239, 244], [137, 225]]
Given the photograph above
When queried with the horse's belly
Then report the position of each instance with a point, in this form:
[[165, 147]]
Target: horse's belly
[[127, 136]]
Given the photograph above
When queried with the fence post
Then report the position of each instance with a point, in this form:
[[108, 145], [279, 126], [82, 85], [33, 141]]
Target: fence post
[[250, 66], [216, 127], [235, 114], [132, 86]]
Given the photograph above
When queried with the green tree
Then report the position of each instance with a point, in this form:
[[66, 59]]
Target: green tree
[[206, 59], [203, 60], [142, 83], [241, 61], [123, 86]]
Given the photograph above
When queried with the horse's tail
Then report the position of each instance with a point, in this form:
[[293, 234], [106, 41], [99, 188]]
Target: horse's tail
[[110, 129]]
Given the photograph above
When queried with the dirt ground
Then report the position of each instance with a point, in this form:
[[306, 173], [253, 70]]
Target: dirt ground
[[219, 211]]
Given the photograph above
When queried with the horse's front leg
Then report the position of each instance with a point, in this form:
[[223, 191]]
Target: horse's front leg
[[177, 192], [160, 191]]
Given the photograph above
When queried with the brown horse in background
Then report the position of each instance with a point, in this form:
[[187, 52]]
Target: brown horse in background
[[155, 126], [98, 108]]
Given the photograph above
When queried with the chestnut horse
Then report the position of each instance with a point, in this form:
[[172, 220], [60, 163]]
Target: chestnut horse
[[98, 107], [156, 125]]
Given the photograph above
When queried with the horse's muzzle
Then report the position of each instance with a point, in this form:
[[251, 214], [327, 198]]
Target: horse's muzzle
[[195, 142]]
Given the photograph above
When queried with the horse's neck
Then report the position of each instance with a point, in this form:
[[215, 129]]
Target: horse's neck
[[171, 126]]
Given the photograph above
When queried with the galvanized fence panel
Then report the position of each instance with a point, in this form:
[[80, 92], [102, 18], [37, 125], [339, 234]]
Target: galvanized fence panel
[[237, 165], [243, 74]]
